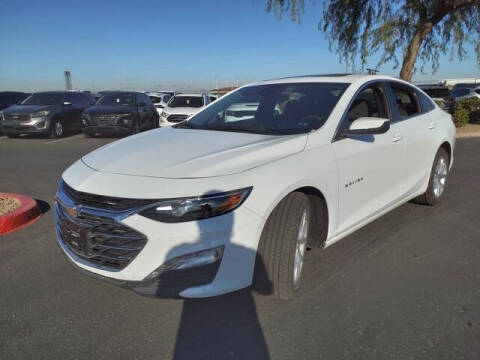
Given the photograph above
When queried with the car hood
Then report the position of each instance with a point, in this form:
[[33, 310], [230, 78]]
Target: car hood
[[182, 110], [186, 153], [27, 109], [100, 109]]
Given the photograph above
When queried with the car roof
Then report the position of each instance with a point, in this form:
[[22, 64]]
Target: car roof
[[53, 92], [191, 95], [330, 78], [13, 93]]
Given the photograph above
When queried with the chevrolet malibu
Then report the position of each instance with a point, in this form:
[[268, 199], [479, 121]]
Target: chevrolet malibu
[[238, 202]]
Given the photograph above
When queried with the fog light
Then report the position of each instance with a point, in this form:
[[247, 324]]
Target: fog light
[[189, 261], [41, 124]]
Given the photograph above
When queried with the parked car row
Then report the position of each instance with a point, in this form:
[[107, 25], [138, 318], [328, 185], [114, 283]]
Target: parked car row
[[53, 113], [447, 98]]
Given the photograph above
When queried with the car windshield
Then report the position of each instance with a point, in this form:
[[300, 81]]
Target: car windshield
[[43, 99], [275, 109], [186, 101], [127, 99]]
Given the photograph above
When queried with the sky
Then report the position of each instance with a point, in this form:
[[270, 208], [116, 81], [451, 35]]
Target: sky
[[179, 45]]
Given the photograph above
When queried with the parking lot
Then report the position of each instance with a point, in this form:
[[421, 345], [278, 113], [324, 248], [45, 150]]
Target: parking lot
[[406, 286]]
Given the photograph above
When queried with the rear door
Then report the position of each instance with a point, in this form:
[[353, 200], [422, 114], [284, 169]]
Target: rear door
[[412, 112], [370, 167]]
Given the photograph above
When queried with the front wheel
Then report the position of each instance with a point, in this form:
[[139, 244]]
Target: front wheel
[[56, 130], [437, 181], [136, 127], [283, 243]]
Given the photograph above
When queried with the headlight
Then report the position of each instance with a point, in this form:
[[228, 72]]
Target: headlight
[[196, 208], [41, 113], [85, 119], [164, 114]]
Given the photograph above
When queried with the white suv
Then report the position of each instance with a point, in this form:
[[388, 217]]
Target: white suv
[[237, 202], [181, 107]]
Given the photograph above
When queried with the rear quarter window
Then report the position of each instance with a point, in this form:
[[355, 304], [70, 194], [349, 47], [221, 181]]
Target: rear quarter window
[[426, 104]]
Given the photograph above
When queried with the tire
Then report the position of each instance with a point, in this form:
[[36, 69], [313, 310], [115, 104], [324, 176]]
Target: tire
[[136, 128], [275, 262], [56, 129], [439, 171]]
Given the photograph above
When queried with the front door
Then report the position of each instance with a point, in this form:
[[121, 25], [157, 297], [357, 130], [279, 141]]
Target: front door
[[370, 167]]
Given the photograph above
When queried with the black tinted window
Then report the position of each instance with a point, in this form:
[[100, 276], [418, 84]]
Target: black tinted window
[[406, 100], [461, 92], [75, 98], [437, 93], [7, 99], [155, 99], [425, 102], [119, 99], [147, 100], [186, 101], [44, 99]]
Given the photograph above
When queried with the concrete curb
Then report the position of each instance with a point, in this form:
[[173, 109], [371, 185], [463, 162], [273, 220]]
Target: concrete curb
[[468, 135], [25, 214]]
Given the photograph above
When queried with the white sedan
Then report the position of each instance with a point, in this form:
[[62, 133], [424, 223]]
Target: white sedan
[[236, 203]]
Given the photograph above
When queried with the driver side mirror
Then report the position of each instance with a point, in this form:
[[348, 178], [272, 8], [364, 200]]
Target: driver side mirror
[[367, 126], [67, 103]]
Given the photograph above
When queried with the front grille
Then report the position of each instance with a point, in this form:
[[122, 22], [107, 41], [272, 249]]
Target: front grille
[[177, 118], [99, 240], [17, 117], [106, 119], [103, 202]]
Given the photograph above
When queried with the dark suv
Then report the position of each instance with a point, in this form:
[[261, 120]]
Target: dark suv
[[120, 112], [48, 113], [9, 98]]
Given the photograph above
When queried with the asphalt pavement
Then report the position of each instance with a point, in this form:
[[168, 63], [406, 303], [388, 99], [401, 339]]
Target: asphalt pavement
[[407, 286]]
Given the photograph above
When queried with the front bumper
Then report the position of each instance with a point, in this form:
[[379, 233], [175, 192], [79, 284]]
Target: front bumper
[[34, 126], [236, 232], [110, 129]]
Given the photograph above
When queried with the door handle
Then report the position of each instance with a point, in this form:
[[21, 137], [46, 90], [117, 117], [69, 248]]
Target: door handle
[[397, 138], [431, 126]]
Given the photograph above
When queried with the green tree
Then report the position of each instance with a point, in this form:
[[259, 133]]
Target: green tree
[[414, 30]]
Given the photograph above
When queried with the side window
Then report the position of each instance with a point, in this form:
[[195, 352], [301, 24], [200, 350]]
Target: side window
[[406, 101], [147, 100], [139, 98], [88, 99], [425, 103], [69, 97], [370, 102], [461, 92]]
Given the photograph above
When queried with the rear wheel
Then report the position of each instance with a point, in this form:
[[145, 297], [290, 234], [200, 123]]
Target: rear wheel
[[56, 129], [282, 248], [89, 134], [437, 181]]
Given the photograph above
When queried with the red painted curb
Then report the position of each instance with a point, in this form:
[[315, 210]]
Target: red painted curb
[[24, 215]]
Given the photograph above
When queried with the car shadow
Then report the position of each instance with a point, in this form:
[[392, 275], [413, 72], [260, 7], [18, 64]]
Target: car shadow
[[43, 206], [225, 326]]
